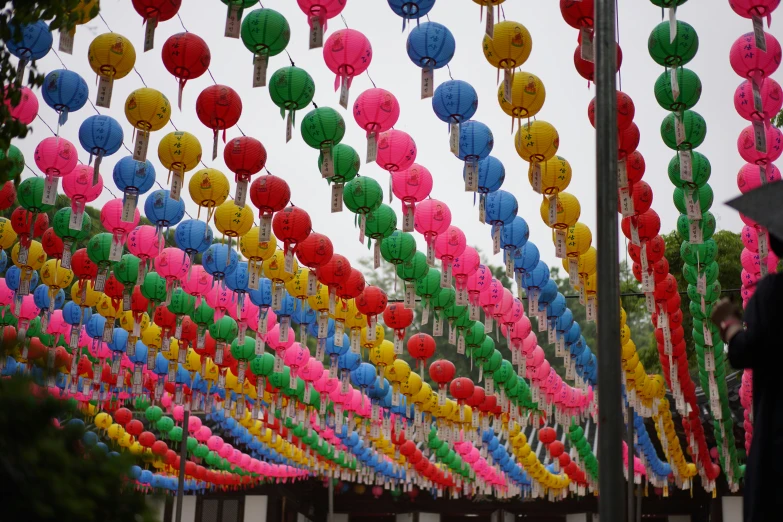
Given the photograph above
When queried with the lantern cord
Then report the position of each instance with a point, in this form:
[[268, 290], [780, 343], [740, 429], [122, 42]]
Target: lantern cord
[[449, 68], [344, 22], [289, 58]]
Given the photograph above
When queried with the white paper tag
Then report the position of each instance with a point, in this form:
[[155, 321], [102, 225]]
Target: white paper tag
[[452, 334], [177, 180], [560, 244], [260, 65], [552, 217], [679, 128], [635, 234], [288, 265], [407, 219], [105, 87], [140, 146], [496, 239], [626, 202], [50, 190], [337, 197], [686, 165], [758, 33], [488, 322], [316, 33], [649, 300], [692, 207], [701, 283], [535, 171], [454, 139], [483, 208], [344, 92], [695, 234], [372, 148], [709, 360], [471, 176], [233, 24], [674, 83], [510, 265], [508, 75], [264, 229], [410, 295], [327, 162], [427, 79], [437, 327], [586, 48], [707, 335], [66, 41], [760, 136], [672, 24], [362, 227], [115, 253], [573, 271], [591, 308]]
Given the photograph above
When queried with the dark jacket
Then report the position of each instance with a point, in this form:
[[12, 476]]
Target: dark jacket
[[759, 348]]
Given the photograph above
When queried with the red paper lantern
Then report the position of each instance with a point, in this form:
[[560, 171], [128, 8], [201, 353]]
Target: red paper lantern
[[186, 56], [335, 272], [372, 301], [352, 287], [648, 225], [22, 221], [461, 389], [421, 347], [83, 268], [291, 225], [634, 166], [154, 11], [7, 195], [147, 439], [134, 427], [577, 13], [477, 399], [315, 250], [269, 194], [219, 108], [52, 244], [547, 435], [398, 318], [244, 157], [442, 372], [122, 416], [159, 448], [625, 111], [587, 69], [628, 140]]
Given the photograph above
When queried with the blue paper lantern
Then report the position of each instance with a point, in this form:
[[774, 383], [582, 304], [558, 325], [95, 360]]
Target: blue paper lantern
[[537, 277], [491, 174], [41, 297], [336, 351], [139, 357], [514, 235], [526, 258], [193, 236], [303, 314], [13, 278], [475, 141], [349, 361], [364, 375], [431, 45], [162, 210], [312, 329], [65, 92], [556, 307], [455, 101], [134, 177], [119, 340], [3, 260], [94, 327], [74, 315], [547, 294], [287, 306], [219, 261], [29, 42], [565, 323], [500, 207], [263, 296], [100, 136], [238, 279], [411, 9]]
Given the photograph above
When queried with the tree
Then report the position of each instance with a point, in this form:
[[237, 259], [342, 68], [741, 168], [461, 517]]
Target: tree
[[18, 13]]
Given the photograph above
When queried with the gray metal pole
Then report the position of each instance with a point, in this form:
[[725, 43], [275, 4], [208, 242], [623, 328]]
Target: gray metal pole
[[629, 442], [610, 505], [183, 458]]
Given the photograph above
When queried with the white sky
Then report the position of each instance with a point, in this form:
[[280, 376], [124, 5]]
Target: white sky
[[553, 47]]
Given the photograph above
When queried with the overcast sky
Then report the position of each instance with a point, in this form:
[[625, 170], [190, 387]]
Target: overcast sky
[[566, 104]]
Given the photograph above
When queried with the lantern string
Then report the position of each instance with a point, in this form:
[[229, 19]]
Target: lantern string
[[449, 68], [617, 35]]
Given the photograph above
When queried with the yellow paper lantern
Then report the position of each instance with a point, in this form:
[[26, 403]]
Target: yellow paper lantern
[[527, 96], [7, 234], [112, 56], [578, 240], [424, 394], [510, 45], [382, 355], [115, 431], [83, 294], [152, 336], [567, 213], [320, 301], [172, 354], [128, 319], [192, 361], [366, 343], [555, 175], [297, 286], [209, 189], [179, 152], [36, 256], [55, 276], [254, 250], [147, 109], [103, 420], [232, 220], [274, 267], [536, 141], [398, 372], [588, 263], [412, 385]]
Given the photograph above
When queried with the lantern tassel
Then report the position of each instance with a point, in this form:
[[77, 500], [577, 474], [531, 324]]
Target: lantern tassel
[[182, 83]]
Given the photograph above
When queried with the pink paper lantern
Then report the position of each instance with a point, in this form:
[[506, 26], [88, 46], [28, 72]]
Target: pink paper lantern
[[214, 443], [246, 315], [111, 219], [274, 342], [78, 186], [746, 144], [6, 294], [194, 424], [27, 109], [449, 245], [312, 370], [749, 176], [771, 100], [476, 283], [529, 345], [172, 264], [222, 299], [749, 62], [750, 238], [491, 296], [197, 283], [432, 217], [376, 110], [321, 10], [514, 314], [347, 53], [751, 8], [56, 157], [504, 305], [751, 261], [295, 358], [396, 150], [143, 242], [203, 434], [411, 185]]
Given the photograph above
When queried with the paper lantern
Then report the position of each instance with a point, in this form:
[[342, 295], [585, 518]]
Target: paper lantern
[[431, 217], [265, 33], [322, 129], [79, 187], [625, 111], [153, 12], [449, 245], [133, 178], [567, 210], [219, 108], [26, 109], [362, 195], [411, 9], [509, 46], [577, 14], [147, 110], [347, 53], [749, 176], [396, 150], [746, 144], [269, 194], [291, 89], [676, 52], [475, 143], [163, 210], [100, 136], [398, 248], [771, 100], [179, 152], [700, 171], [318, 13], [208, 188], [64, 91], [430, 46], [29, 42], [454, 102], [15, 161], [380, 224], [695, 130], [7, 195], [750, 62], [527, 96], [112, 57], [411, 186], [586, 69], [314, 251], [232, 220], [690, 90], [555, 176], [56, 157], [186, 56], [628, 141], [244, 157], [346, 164], [291, 225], [536, 141], [375, 110]]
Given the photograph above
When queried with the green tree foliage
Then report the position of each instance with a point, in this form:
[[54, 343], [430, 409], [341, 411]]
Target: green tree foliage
[[58, 14], [48, 473]]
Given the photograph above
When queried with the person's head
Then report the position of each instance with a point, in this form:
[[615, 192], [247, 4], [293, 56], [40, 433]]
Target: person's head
[[776, 245]]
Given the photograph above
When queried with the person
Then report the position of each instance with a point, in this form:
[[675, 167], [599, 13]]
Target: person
[[757, 346]]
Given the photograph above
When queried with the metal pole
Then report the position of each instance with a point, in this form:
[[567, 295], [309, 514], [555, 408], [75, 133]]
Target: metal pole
[[629, 442], [610, 505], [639, 503], [330, 518], [183, 458]]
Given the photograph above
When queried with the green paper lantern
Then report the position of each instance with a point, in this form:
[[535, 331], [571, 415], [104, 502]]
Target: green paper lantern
[[30, 193], [345, 163], [153, 413], [265, 31], [703, 196], [503, 374], [702, 254], [16, 159], [380, 223], [291, 89], [280, 380], [493, 362], [689, 85], [668, 53], [712, 295], [475, 335], [323, 128], [695, 309], [99, 249], [414, 269], [203, 315], [700, 170], [153, 288], [398, 248], [201, 451], [142, 403], [362, 195], [61, 225], [691, 274], [245, 351], [126, 271], [225, 330], [263, 365], [165, 424], [485, 351], [429, 285], [182, 303], [695, 130], [175, 434], [668, 3], [707, 225], [192, 444], [443, 300]]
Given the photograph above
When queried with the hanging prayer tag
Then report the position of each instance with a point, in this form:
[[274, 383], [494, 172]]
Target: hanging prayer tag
[[410, 295], [452, 334], [679, 128], [552, 218], [312, 283], [372, 148], [177, 179], [407, 219], [252, 278], [701, 284], [507, 77], [327, 162], [140, 147], [427, 79], [105, 87], [437, 327], [488, 323], [129, 208], [635, 234], [376, 254], [490, 27], [496, 239], [591, 308], [586, 49], [454, 139], [337, 197], [482, 208], [289, 126], [316, 33], [693, 209], [560, 244], [535, 172], [362, 227], [672, 24], [758, 104], [50, 190], [431, 253], [650, 302], [149, 34], [115, 253], [471, 176], [289, 262], [758, 33], [760, 136], [265, 229], [707, 335], [695, 234], [232, 22], [686, 165], [260, 64], [626, 202], [675, 84], [573, 271], [510, 265], [240, 196], [425, 315], [344, 92], [66, 41]]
